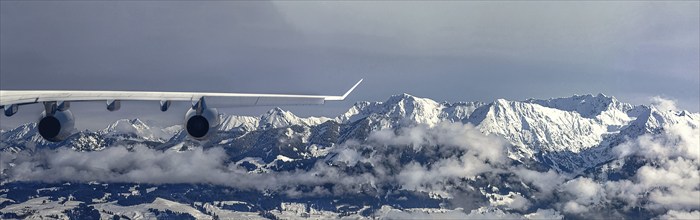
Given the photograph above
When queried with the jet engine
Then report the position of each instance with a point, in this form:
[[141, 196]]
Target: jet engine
[[56, 122], [200, 120]]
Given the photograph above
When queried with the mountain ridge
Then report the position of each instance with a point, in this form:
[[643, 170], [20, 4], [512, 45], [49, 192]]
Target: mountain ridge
[[556, 128]]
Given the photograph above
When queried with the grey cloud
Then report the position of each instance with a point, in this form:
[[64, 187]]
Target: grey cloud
[[453, 51]]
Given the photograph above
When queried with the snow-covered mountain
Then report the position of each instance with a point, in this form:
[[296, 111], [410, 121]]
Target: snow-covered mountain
[[570, 136], [406, 110]]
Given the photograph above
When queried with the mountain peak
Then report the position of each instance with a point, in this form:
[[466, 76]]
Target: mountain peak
[[131, 122], [276, 111], [22, 132], [398, 110], [400, 97], [405, 99], [277, 117], [588, 105], [128, 126]]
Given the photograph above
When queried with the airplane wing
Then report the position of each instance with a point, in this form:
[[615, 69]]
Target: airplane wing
[[22, 97]]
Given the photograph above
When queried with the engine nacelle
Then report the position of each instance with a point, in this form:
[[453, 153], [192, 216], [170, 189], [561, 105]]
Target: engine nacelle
[[57, 126], [10, 110], [200, 120]]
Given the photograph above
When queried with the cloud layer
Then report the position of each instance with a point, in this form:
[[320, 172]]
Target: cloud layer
[[450, 161]]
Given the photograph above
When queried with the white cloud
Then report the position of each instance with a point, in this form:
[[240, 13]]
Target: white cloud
[[348, 156], [677, 173], [677, 140], [144, 165], [519, 203], [663, 104], [544, 214], [584, 194], [585, 190], [462, 136], [574, 208], [669, 179], [545, 182], [386, 212], [673, 214], [479, 153]]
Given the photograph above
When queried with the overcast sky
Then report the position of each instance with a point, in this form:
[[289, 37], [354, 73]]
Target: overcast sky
[[447, 51]]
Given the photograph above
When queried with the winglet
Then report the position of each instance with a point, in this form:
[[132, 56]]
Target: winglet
[[353, 88], [341, 98]]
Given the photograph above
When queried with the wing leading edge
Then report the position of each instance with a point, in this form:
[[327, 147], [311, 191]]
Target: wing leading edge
[[22, 97]]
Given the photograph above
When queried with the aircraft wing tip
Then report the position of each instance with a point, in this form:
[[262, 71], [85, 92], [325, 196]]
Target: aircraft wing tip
[[352, 88]]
